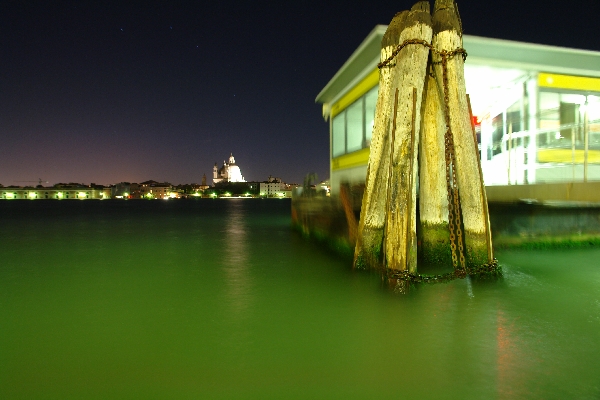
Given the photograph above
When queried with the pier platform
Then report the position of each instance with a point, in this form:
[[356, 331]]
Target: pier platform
[[539, 215]]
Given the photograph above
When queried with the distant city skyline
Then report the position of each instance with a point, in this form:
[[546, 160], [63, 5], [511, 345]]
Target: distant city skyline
[[209, 178]]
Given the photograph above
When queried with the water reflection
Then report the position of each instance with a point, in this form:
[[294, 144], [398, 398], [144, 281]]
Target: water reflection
[[236, 267], [506, 356], [254, 312]]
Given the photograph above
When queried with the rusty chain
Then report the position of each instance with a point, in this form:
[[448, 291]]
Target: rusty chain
[[491, 269], [454, 211], [451, 180], [443, 53]]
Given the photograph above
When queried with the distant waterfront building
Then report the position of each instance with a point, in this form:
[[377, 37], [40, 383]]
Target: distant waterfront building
[[157, 190], [229, 172], [125, 190], [274, 187], [59, 191]]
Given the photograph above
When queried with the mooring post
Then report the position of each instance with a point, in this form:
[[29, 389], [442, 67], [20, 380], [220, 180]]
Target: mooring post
[[411, 66], [368, 249], [449, 71], [433, 199]]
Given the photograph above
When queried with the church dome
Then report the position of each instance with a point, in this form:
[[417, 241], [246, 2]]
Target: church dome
[[229, 172]]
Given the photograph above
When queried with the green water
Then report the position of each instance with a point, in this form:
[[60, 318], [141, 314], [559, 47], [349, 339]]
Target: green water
[[219, 299]]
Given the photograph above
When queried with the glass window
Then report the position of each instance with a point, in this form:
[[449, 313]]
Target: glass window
[[497, 134], [370, 103], [513, 117], [338, 129], [593, 115], [351, 129], [354, 126]]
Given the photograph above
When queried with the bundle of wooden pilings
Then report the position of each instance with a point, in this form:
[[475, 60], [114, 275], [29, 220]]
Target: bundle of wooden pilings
[[423, 136]]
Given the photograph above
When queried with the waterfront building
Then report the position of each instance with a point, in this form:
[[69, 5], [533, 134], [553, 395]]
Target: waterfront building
[[71, 191], [536, 110], [157, 190], [125, 190], [229, 172], [274, 187]]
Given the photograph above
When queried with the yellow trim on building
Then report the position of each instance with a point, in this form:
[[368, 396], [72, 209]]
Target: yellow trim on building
[[363, 87], [557, 81], [566, 156], [356, 159]]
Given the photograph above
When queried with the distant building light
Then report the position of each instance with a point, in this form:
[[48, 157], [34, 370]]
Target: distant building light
[[32, 195], [9, 195]]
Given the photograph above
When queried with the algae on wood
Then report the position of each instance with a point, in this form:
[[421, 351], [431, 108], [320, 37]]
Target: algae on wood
[[433, 199]]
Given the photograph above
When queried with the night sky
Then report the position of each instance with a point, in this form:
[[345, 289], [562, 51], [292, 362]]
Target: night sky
[[104, 92]]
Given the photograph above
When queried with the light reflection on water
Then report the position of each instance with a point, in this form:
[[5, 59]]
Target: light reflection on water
[[235, 256], [219, 299]]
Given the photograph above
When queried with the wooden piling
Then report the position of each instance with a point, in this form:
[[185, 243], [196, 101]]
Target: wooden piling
[[433, 200], [409, 74], [448, 38], [369, 241]]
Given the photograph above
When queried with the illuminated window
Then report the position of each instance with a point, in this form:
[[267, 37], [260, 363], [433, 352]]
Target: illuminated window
[[338, 127], [351, 129], [354, 126]]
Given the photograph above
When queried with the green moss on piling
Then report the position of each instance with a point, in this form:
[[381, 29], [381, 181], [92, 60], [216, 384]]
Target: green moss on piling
[[434, 248]]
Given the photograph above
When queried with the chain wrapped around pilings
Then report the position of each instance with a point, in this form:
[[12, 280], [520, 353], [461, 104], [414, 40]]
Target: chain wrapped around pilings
[[491, 269], [443, 54], [454, 212]]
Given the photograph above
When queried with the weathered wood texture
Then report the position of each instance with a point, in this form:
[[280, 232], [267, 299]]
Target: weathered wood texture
[[433, 199], [372, 219], [408, 76], [447, 37]]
